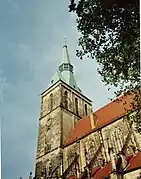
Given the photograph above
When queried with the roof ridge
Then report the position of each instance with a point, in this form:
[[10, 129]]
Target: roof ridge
[[114, 100]]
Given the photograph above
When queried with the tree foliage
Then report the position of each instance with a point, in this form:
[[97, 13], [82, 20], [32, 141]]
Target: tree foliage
[[110, 35]]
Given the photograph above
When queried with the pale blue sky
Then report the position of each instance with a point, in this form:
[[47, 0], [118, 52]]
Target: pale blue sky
[[31, 37]]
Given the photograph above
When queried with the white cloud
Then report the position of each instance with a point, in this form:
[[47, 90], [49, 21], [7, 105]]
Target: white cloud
[[24, 47], [23, 50], [14, 4], [3, 86]]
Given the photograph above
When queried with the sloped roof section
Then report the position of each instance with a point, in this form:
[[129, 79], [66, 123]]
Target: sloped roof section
[[104, 116], [81, 128], [56, 77], [135, 162], [103, 172]]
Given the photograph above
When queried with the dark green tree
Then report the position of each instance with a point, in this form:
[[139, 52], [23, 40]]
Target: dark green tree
[[110, 34]]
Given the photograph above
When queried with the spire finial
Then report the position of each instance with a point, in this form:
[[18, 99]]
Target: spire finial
[[65, 43]]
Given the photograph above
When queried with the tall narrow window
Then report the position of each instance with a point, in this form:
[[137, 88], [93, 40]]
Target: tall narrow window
[[76, 105], [86, 111], [71, 157], [66, 99], [117, 140], [51, 101]]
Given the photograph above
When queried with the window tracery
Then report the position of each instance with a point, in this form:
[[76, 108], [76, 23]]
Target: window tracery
[[66, 101], [117, 140], [48, 169], [90, 153], [71, 154], [52, 167], [71, 157], [99, 162], [131, 146]]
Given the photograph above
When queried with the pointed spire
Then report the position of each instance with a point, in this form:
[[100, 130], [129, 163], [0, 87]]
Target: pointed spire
[[65, 57], [65, 42]]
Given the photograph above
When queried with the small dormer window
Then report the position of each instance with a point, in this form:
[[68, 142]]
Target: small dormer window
[[52, 81]]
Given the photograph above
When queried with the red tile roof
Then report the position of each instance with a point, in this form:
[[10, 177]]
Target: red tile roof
[[104, 116], [135, 162], [94, 170], [81, 128], [103, 172]]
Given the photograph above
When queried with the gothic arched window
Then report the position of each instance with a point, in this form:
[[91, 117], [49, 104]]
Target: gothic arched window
[[76, 105], [48, 170], [90, 152], [66, 99], [86, 111], [51, 101], [71, 156], [117, 140]]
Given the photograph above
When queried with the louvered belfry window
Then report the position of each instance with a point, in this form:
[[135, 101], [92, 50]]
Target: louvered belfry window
[[86, 111], [76, 106], [51, 101], [66, 99]]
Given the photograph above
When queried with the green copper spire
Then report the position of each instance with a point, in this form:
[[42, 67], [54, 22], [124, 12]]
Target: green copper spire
[[65, 72], [65, 56], [65, 64]]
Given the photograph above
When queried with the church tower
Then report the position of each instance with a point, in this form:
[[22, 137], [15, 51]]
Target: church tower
[[62, 105]]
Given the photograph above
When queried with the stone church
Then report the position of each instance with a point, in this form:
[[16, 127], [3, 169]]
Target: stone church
[[76, 143]]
